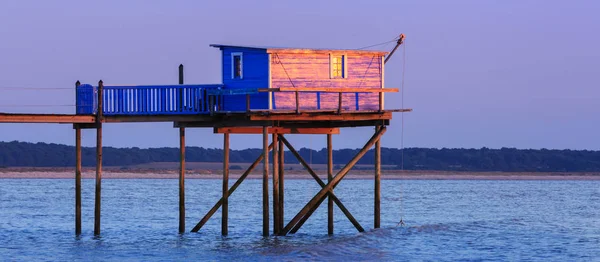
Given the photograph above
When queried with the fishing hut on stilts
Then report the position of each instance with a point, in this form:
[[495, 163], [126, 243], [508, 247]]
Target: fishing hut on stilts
[[272, 92]]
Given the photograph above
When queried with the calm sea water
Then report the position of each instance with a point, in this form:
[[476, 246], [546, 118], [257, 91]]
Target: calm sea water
[[445, 220]]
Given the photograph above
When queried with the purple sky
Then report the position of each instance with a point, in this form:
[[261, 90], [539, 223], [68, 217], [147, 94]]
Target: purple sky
[[519, 74]]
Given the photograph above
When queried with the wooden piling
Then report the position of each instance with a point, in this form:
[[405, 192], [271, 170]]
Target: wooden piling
[[266, 182], [77, 181], [225, 205], [281, 154], [98, 195], [329, 178], [181, 180], [275, 185], [77, 170], [181, 162], [377, 204]]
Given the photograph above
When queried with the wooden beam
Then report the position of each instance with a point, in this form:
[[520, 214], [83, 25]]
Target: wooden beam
[[329, 178], [314, 203], [78, 181], [85, 126], [219, 121], [265, 182], [330, 194], [181, 180], [159, 118], [46, 118], [322, 117], [225, 206], [332, 124], [235, 185], [337, 89], [275, 130], [323, 51]]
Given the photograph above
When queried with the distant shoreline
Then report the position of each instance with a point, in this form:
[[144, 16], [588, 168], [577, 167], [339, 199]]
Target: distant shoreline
[[42, 173]]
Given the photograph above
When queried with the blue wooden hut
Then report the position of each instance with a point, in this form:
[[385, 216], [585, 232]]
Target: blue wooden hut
[[286, 68]]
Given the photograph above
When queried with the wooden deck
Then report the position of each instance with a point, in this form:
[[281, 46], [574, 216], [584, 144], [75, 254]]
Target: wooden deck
[[281, 118], [47, 118]]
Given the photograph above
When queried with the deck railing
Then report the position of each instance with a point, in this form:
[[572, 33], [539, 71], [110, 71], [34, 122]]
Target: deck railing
[[190, 99], [149, 100]]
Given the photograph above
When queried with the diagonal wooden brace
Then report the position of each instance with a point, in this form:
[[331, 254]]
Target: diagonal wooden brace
[[237, 183], [314, 203], [322, 184]]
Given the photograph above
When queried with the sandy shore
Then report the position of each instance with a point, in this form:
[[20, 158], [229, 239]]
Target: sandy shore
[[215, 174]]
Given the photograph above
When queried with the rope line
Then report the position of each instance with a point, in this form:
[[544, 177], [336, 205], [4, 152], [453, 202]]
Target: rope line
[[32, 105], [401, 223], [402, 103], [286, 73], [35, 88], [393, 40], [366, 71]]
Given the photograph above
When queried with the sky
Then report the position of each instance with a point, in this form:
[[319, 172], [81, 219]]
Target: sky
[[513, 73]]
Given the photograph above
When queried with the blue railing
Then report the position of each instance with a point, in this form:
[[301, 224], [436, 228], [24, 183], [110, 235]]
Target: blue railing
[[85, 100], [149, 100]]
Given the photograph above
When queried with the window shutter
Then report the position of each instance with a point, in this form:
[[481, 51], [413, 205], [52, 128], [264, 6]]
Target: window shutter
[[345, 65]]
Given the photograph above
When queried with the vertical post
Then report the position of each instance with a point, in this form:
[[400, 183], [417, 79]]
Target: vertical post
[[77, 169], [265, 182], [281, 154], [180, 98], [181, 180], [329, 178], [98, 196], [297, 102], [276, 220], [247, 103], [77, 181], [340, 103], [377, 210], [181, 161], [225, 203]]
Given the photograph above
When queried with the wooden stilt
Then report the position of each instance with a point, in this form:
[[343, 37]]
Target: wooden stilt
[[314, 203], [275, 185], [235, 185], [316, 177], [98, 196], [281, 154], [265, 182], [377, 204], [181, 160], [181, 179], [77, 169], [77, 181], [225, 205], [329, 178]]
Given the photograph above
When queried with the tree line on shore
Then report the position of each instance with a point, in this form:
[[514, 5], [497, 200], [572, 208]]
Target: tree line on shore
[[23, 154]]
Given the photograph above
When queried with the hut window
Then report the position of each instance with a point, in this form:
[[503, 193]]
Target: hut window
[[236, 66], [337, 66]]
